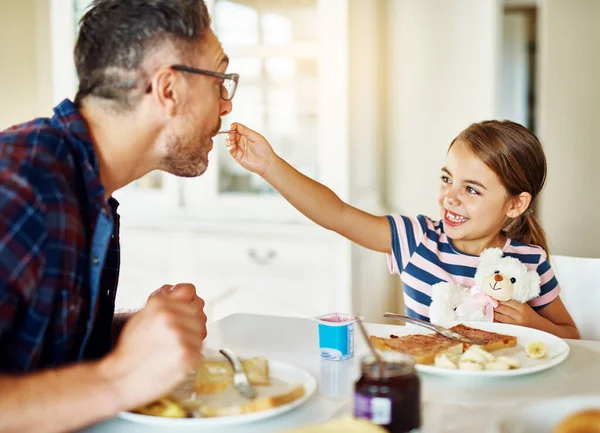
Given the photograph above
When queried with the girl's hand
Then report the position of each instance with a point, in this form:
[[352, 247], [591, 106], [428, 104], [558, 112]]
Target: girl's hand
[[515, 313], [250, 149]]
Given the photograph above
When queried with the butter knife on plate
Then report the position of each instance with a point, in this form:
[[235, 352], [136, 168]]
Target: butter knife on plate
[[433, 327]]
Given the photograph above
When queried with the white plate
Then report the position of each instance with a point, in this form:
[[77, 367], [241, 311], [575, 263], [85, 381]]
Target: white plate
[[558, 350], [277, 370], [543, 416]]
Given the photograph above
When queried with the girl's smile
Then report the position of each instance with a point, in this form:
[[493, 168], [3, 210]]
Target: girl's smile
[[454, 220]]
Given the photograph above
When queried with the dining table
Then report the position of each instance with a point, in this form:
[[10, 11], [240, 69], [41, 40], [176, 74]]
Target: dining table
[[449, 403]]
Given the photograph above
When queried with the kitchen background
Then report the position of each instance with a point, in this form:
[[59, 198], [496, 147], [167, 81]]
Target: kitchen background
[[365, 95]]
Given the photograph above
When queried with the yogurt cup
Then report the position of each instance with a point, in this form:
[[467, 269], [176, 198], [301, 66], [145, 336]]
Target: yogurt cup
[[336, 336]]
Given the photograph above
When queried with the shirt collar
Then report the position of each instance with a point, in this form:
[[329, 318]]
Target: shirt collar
[[68, 119]]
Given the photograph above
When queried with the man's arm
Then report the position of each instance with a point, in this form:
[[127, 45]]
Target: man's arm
[[158, 347], [57, 400], [119, 321]]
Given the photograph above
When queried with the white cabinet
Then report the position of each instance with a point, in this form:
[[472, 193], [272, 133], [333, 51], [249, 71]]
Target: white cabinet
[[288, 270]]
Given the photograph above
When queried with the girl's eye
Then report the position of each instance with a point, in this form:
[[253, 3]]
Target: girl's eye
[[472, 191], [446, 179]]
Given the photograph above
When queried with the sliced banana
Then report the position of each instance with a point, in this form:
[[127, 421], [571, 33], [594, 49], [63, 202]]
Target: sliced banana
[[469, 365], [477, 354], [446, 361], [512, 363], [497, 365], [536, 350]]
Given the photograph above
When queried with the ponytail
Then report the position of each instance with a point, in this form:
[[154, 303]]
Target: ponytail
[[527, 230]]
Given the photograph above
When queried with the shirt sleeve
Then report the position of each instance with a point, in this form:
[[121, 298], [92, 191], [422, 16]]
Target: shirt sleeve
[[549, 288], [407, 234], [22, 235]]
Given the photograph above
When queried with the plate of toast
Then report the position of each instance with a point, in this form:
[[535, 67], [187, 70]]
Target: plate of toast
[[207, 397], [505, 350]]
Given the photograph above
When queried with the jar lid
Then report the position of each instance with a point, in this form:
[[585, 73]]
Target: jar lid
[[394, 364]]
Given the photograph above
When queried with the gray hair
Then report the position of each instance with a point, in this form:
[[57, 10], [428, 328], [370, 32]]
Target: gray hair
[[116, 35]]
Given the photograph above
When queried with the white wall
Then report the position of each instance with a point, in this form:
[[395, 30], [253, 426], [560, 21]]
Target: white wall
[[569, 124], [443, 60], [25, 58]]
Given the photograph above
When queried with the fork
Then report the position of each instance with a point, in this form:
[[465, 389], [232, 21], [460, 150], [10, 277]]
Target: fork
[[240, 380], [437, 328]]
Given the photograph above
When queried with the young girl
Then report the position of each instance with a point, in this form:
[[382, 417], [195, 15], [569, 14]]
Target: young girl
[[494, 170]]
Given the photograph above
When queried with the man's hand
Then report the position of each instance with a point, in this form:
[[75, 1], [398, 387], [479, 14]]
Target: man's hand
[[159, 345], [516, 313]]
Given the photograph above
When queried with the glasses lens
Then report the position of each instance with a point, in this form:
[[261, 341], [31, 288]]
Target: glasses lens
[[228, 89]]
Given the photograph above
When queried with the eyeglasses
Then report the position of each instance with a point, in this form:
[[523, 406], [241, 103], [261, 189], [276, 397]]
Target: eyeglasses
[[228, 86]]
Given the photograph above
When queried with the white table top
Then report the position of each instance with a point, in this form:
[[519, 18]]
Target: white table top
[[450, 404]]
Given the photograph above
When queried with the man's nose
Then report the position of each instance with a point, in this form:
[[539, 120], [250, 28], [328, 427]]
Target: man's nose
[[498, 277], [226, 107]]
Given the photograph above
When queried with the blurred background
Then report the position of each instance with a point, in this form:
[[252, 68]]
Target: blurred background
[[364, 95]]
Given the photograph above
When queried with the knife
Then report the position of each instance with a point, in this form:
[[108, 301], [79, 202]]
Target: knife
[[433, 327]]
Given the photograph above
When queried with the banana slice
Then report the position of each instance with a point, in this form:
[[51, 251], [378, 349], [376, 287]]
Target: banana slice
[[469, 365], [536, 350], [445, 361], [497, 365], [477, 354], [512, 363]]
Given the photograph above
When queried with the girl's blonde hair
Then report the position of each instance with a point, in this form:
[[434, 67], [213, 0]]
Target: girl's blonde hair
[[516, 155]]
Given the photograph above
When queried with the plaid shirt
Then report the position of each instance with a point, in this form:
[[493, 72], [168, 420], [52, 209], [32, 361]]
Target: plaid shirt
[[59, 245]]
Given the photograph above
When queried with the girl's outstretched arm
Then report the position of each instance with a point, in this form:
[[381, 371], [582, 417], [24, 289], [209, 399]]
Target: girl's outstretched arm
[[317, 202]]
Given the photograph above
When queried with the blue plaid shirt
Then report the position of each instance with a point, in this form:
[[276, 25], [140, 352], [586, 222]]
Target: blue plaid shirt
[[59, 245]]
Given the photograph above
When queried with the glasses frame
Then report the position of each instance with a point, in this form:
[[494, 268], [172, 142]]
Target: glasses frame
[[192, 70]]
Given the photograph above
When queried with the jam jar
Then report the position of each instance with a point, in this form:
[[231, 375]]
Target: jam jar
[[389, 394]]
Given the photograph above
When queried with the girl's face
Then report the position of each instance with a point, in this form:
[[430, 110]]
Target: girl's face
[[473, 202]]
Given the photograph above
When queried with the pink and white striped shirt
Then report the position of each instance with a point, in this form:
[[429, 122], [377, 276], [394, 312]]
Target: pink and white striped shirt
[[423, 255]]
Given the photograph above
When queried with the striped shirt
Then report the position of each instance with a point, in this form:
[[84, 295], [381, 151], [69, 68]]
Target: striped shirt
[[423, 255]]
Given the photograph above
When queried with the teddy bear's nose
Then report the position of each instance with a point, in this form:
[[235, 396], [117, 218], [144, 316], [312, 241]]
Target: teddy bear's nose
[[498, 277]]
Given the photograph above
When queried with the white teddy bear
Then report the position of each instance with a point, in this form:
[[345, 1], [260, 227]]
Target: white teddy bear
[[497, 278]]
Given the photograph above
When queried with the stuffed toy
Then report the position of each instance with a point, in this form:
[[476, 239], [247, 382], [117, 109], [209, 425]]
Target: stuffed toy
[[497, 279]]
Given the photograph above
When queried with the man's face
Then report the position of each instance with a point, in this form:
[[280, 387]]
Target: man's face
[[191, 132]]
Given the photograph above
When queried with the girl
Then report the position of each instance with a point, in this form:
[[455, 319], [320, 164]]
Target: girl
[[494, 170]]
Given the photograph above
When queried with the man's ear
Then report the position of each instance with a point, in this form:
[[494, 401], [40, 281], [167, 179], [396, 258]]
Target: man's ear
[[519, 204], [165, 90]]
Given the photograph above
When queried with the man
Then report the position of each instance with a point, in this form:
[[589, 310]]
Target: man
[[152, 90]]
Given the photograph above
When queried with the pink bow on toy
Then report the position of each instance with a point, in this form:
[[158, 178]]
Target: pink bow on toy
[[476, 300]]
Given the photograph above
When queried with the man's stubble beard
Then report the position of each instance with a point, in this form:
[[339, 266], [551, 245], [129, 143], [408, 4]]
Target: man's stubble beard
[[186, 159]]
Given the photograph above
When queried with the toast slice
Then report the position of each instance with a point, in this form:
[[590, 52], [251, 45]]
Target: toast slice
[[214, 376], [492, 340], [257, 404], [423, 348]]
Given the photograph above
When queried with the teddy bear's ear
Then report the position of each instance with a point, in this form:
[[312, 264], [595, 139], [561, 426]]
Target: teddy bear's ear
[[528, 288]]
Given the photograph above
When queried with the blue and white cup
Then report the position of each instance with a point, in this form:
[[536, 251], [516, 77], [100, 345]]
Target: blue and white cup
[[336, 336]]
